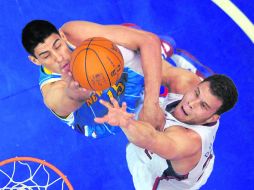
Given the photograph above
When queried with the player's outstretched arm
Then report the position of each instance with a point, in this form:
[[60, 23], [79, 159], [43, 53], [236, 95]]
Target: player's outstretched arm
[[118, 116], [64, 96], [138, 40], [172, 144]]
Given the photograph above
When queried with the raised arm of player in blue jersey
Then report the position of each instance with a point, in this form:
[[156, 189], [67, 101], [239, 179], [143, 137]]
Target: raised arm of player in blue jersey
[[148, 44]]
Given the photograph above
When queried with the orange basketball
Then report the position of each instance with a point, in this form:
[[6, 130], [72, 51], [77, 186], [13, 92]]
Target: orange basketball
[[97, 64]]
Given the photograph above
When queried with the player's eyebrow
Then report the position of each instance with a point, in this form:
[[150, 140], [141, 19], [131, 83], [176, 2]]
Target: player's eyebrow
[[47, 50], [43, 53], [55, 41], [198, 90]]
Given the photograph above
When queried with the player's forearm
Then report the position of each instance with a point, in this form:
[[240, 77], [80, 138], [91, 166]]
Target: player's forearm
[[139, 133], [152, 67], [65, 106], [56, 99], [68, 105]]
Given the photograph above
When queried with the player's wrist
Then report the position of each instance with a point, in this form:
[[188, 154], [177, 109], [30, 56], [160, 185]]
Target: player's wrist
[[76, 97], [126, 123], [151, 100], [152, 94]]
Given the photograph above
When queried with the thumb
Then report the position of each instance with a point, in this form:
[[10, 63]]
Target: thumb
[[66, 76]]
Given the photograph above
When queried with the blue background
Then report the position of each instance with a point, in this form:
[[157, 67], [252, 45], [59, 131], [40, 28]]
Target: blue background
[[29, 129]]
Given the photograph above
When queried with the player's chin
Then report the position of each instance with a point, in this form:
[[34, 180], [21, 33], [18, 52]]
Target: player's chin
[[179, 115]]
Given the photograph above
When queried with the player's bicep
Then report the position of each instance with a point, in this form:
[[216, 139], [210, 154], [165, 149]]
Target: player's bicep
[[188, 142], [130, 37], [176, 144], [163, 145], [78, 31]]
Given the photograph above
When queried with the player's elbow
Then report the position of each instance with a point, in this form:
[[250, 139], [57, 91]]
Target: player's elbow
[[70, 25], [151, 39]]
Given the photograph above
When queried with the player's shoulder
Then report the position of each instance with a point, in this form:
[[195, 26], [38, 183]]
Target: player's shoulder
[[185, 82], [180, 80], [47, 76]]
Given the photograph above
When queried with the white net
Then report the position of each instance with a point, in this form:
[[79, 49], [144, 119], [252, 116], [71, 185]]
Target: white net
[[31, 175]]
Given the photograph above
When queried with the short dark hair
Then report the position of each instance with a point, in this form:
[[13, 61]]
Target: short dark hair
[[35, 32], [224, 88]]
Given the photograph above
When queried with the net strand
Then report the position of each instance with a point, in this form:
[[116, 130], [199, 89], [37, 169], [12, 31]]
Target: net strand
[[22, 185]]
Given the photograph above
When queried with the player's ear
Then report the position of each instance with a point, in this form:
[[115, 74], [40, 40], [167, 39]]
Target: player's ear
[[62, 35], [34, 60], [213, 119]]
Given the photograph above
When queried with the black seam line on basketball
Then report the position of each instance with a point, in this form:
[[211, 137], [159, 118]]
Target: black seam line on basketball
[[87, 48], [74, 61], [90, 42], [102, 65], [109, 50], [85, 66], [79, 53], [85, 69]]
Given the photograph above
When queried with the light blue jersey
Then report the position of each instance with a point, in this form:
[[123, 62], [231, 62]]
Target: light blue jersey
[[128, 89]]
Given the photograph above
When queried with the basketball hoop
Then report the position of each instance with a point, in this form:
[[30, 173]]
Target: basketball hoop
[[28, 173]]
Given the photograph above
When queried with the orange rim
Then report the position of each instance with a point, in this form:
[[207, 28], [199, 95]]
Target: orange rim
[[31, 159]]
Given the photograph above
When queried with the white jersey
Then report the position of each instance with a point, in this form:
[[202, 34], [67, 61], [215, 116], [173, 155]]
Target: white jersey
[[150, 171]]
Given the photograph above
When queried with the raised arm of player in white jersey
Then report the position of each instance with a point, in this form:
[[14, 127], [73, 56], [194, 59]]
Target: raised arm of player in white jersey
[[173, 144]]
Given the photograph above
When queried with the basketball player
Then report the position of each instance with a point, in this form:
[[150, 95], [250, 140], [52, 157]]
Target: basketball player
[[51, 50], [181, 156]]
